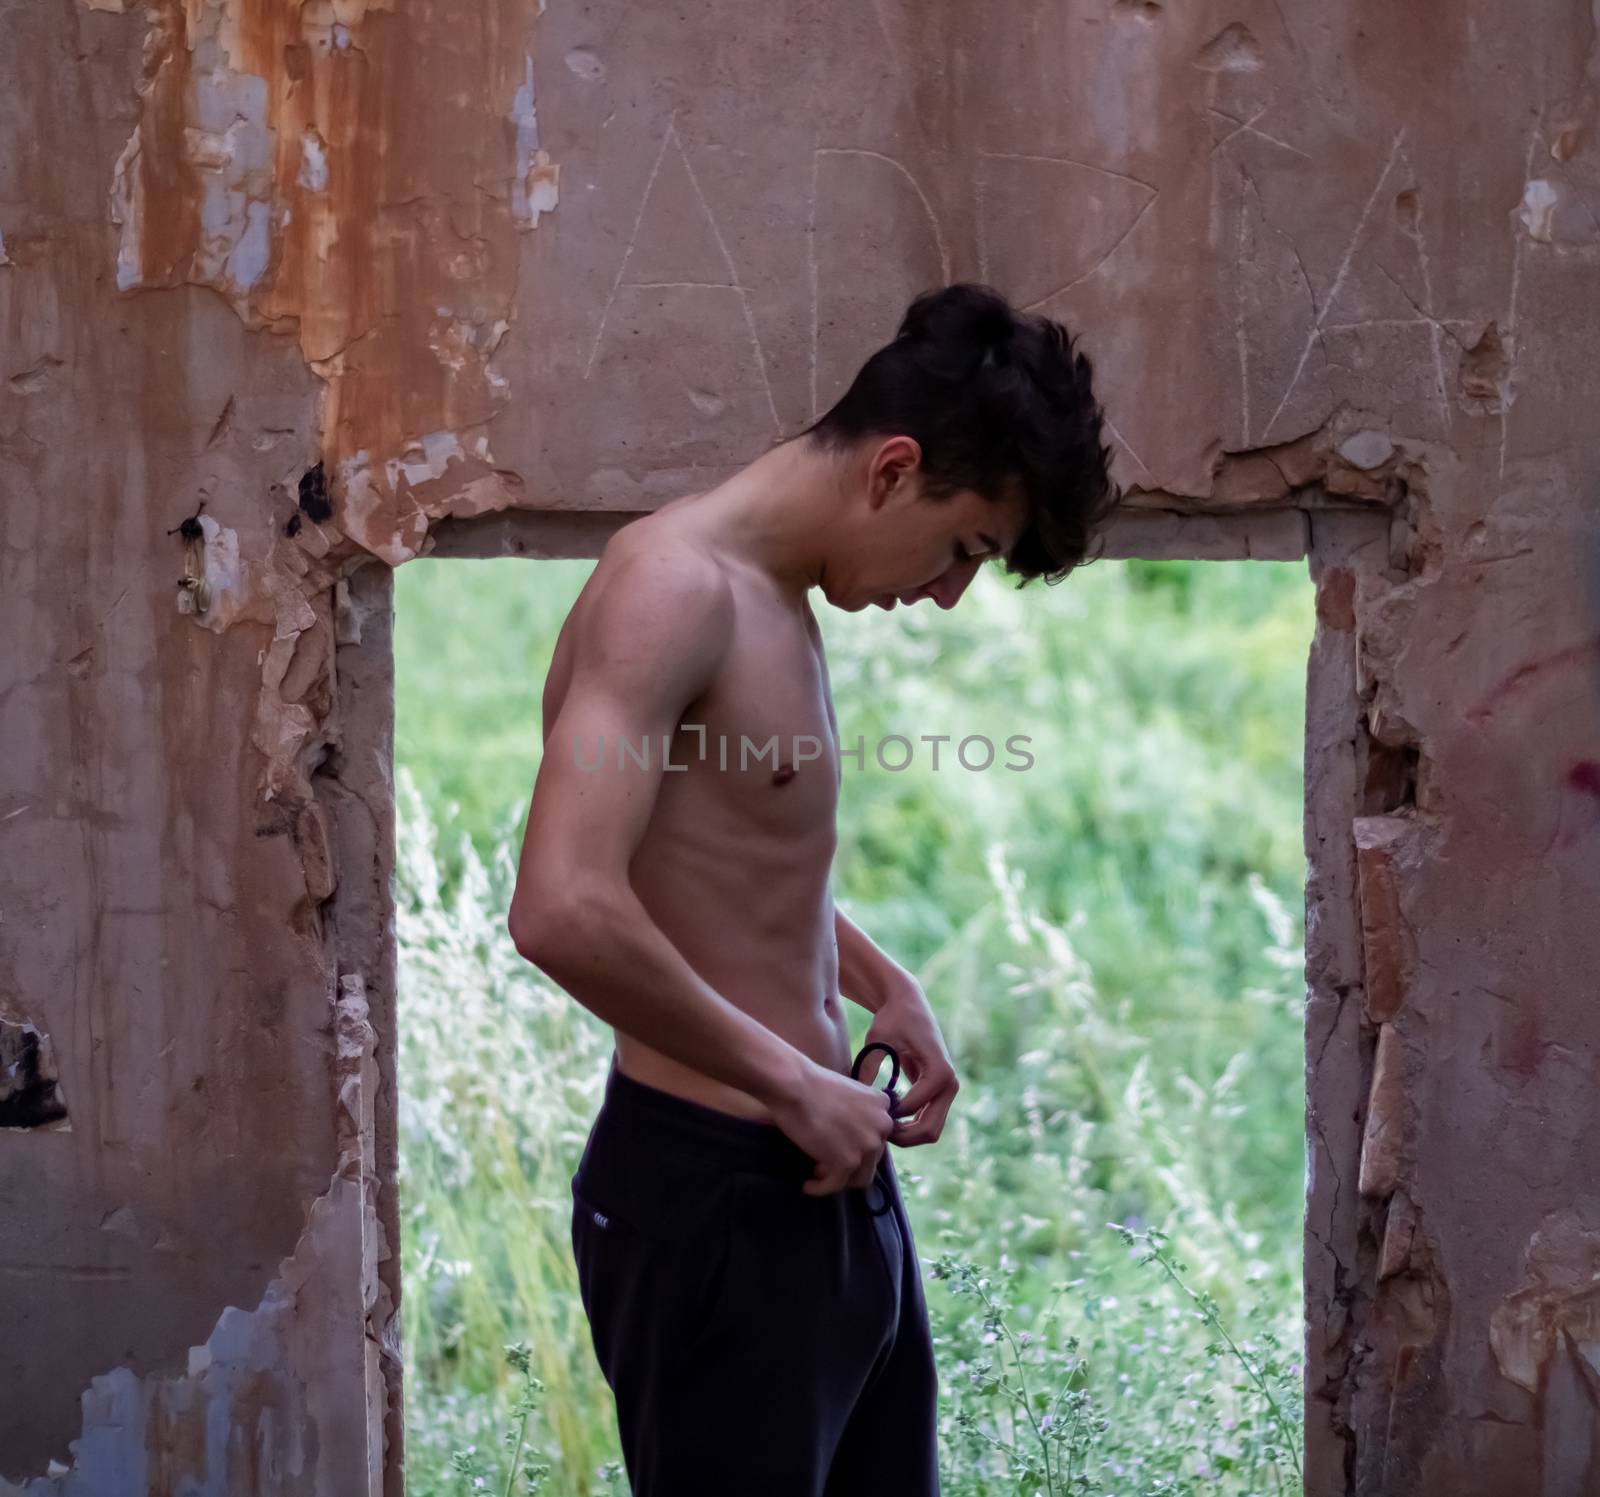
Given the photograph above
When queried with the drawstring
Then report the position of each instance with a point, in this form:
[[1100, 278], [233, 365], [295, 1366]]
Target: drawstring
[[894, 1076]]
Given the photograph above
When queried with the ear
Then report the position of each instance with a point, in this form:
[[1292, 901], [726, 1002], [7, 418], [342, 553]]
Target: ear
[[891, 467]]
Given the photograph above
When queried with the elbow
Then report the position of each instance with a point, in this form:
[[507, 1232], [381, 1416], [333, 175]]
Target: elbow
[[545, 924], [533, 926]]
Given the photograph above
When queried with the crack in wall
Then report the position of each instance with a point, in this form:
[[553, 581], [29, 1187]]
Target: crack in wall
[[1348, 459]]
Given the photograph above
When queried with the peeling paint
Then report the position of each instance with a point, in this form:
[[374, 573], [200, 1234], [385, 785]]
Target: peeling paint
[[1367, 449], [436, 477], [299, 1375], [1343, 456], [223, 165], [1539, 199], [1483, 380], [30, 1084], [1559, 1303], [536, 187], [264, 165], [584, 63], [1552, 212], [313, 162]]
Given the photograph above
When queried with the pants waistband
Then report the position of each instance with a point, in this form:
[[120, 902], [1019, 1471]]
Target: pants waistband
[[694, 1128]]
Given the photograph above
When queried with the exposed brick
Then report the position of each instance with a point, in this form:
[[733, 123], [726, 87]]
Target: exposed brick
[[1383, 1139], [1388, 948]]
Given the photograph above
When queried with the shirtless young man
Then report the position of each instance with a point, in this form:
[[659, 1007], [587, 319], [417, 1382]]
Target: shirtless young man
[[752, 1286]]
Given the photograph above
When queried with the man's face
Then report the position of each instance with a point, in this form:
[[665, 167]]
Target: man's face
[[910, 547]]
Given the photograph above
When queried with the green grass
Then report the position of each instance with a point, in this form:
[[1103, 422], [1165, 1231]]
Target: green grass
[[1111, 940]]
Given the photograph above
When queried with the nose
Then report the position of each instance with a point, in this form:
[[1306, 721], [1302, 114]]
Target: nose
[[946, 591]]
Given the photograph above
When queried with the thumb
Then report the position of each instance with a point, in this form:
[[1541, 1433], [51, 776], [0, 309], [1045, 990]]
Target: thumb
[[821, 1181], [910, 1102]]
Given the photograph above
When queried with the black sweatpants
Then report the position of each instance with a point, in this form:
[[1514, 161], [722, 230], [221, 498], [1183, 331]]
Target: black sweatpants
[[758, 1340]]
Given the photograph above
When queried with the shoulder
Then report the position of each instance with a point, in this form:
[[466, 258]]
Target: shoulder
[[654, 588]]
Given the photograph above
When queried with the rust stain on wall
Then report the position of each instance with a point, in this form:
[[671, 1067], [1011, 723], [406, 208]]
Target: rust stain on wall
[[359, 178], [338, 181]]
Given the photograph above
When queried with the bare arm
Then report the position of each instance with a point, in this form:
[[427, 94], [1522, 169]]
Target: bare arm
[[867, 974], [903, 1020], [651, 644]]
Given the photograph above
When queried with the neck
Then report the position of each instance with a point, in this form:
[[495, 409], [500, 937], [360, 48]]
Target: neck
[[774, 513]]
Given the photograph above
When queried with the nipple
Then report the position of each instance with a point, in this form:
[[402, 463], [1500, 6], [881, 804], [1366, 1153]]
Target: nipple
[[783, 775]]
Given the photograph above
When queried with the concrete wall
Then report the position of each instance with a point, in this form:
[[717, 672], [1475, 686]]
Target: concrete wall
[[343, 281]]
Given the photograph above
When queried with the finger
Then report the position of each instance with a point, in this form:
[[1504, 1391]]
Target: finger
[[901, 1123], [924, 1090], [907, 1136], [825, 1185], [864, 1176], [936, 1114], [911, 1103], [930, 1125]]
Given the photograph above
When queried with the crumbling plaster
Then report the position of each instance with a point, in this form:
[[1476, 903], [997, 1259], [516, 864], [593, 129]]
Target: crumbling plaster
[[339, 283]]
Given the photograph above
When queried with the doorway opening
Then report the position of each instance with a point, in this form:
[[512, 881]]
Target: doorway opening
[[1107, 917]]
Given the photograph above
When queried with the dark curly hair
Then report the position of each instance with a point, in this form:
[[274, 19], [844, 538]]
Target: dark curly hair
[[999, 401]]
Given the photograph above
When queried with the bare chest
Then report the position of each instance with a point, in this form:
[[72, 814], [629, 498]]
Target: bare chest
[[761, 743]]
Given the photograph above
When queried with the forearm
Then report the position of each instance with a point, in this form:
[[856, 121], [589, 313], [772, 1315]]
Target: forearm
[[867, 974], [614, 960]]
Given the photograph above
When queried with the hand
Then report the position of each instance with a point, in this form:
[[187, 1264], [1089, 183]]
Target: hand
[[841, 1123], [906, 1022]]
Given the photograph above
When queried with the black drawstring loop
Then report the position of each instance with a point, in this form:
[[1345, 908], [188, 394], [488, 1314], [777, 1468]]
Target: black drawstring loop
[[894, 1076]]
